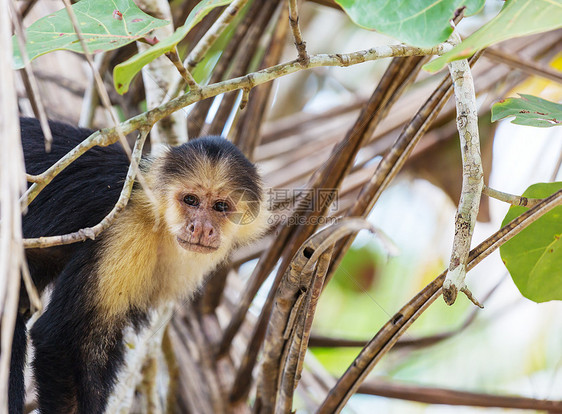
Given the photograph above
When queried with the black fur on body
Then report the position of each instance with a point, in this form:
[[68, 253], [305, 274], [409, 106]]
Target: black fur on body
[[99, 288]]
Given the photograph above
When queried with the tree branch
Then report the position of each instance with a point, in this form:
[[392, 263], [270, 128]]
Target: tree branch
[[472, 180], [109, 136], [430, 395]]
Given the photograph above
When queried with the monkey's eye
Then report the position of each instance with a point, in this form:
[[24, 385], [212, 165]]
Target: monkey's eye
[[191, 200], [221, 206]]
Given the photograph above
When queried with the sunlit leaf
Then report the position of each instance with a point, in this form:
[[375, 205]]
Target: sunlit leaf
[[529, 110], [124, 73], [414, 22], [105, 25], [534, 256], [516, 18]]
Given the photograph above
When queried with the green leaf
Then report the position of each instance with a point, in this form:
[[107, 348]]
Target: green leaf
[[418, 23], [534, 256], [529, 110], [124, 73], [103, 28], [517, 18]]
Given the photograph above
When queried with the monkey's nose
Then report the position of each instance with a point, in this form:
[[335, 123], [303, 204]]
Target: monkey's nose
[[201, 232]]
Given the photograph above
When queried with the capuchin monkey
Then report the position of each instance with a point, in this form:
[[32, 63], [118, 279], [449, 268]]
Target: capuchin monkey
[[202, 199]]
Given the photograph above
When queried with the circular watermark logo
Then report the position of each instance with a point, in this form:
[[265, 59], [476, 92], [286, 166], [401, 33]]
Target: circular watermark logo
[[247, 206]]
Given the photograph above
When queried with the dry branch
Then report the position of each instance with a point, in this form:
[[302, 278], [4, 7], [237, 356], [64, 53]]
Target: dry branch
[[296, 282], [297, 35], [293, 363]]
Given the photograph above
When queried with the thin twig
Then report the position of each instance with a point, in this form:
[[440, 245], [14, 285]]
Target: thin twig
[[93, 232], [297, 35], [33, 178], [185, 74], [514, 200], [98, 80], [525, 65], [91, 96], [31, 81], [210, 37]]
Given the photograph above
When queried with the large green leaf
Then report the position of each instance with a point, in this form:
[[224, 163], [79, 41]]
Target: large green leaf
[[516, 18], [105, 25], [529, 110], [418, 23], [124, 73], [534, 256]]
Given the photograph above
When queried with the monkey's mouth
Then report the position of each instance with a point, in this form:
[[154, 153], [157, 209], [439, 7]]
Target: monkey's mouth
[[196, 247]]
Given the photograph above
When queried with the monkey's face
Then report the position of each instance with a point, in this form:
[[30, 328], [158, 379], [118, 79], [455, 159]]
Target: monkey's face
[[204, 216], [212, 196], [207, 219]]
